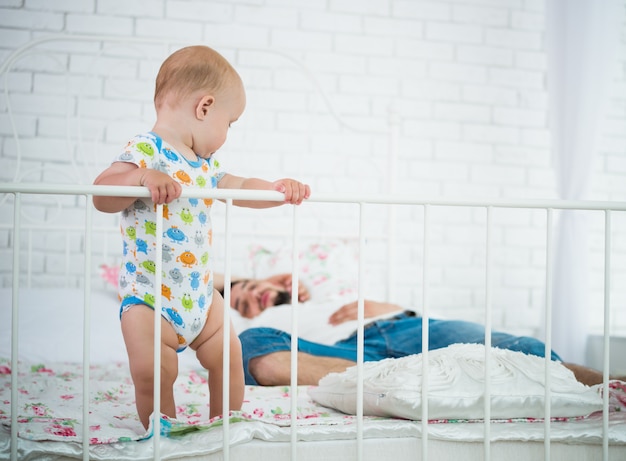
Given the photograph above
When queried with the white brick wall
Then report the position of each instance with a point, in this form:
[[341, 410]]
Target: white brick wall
[[466, 79]]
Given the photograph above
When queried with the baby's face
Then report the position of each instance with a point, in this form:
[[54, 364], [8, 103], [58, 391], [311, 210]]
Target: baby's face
[[251, 297], [226, 108]]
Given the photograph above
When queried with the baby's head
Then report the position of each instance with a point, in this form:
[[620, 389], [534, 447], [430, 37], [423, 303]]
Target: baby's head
[[198, 93], [190, 70]]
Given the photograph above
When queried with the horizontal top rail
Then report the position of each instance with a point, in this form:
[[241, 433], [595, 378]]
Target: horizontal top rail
[[241, 194]]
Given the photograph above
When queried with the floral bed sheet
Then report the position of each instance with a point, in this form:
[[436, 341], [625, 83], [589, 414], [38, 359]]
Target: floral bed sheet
[[50, 409]]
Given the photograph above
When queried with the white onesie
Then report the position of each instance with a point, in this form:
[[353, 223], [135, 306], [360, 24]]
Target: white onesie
[[187, 279]]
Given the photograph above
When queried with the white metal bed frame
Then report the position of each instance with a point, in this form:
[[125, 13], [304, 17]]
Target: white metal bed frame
[[18, 190], [17, 227]]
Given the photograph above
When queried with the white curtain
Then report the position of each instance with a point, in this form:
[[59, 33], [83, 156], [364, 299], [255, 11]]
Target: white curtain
[[582, 38]]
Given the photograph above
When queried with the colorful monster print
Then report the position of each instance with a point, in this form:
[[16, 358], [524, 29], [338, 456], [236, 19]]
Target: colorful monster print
[[150, 227], [131, 232], [161, 166], [142, 246], [140, 206], [166, 211], [187, 258], [142, 279], [196, 325], [145, 148], [166, 292], [199, 238], [186, 216], [175, 235], [202, 302], [202, 217], [175, 316], [125, 157], [176, 276], [183, 177], [170, 155], [149, 299], [167, 253], [186, 288], [194, 278], [148, 265], [187, 302]]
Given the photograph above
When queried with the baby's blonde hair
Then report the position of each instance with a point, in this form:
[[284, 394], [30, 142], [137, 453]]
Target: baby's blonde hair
[[191, 69]]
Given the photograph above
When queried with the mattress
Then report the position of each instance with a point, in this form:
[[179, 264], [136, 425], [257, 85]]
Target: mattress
[[50, 412], [50, 403]]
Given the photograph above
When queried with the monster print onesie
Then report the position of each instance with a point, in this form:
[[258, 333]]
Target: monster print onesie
[[187, 279]]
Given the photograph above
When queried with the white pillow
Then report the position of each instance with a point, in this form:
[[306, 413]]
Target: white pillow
[[392, 387], [328, 269]]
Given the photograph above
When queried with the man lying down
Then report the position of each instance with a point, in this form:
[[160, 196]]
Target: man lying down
[[327, 338]]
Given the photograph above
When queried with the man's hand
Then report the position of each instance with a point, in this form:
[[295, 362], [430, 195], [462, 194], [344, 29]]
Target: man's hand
[[285, 281], [370, 309]]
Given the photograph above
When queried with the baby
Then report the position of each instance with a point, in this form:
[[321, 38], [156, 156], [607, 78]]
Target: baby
[[198, 95]]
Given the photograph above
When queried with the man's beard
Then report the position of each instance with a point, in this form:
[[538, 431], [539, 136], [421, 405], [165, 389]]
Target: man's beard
[[282, 297]]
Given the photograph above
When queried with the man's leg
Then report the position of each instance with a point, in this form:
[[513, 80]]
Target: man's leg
[[474, 333], [266, 353], [274, 369]]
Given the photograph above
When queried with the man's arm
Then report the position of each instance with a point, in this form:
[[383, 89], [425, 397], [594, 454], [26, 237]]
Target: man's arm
[[370, 309]]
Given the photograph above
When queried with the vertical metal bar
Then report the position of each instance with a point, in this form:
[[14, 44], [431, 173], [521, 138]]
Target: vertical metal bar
[[87, 325], [425, 332], [548, 328], [156, 411], [360, 334], [226, 334], [29, 255], [15, 320], [67, 260], [392, 174], [607, 338], [391, 252], [295, 268], [488, 327]]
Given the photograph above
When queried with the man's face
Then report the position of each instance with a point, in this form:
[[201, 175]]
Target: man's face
[[251, 297]]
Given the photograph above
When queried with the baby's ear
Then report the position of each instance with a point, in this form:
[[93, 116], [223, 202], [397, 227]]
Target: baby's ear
[[203, 106]]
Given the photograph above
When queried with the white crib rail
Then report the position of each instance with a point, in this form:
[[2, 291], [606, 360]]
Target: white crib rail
[[363, 201]]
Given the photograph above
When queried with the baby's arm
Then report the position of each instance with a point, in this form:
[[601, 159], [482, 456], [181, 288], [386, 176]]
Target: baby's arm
[[295, 192], [163, 188]]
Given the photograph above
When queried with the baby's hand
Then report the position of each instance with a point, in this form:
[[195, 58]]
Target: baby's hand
[[295, 192], [163, 188]]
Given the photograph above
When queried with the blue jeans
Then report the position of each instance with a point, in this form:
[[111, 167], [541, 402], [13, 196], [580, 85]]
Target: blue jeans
[[396, 337]]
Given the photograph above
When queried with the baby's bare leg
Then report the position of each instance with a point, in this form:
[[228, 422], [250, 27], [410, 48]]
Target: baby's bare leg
[[138, 331], [275, 369], [209, 347]]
